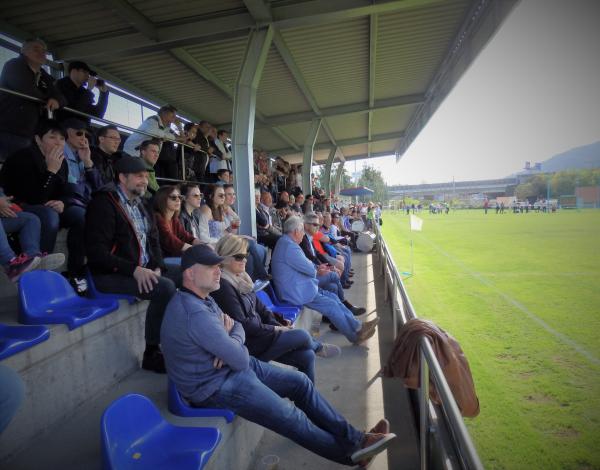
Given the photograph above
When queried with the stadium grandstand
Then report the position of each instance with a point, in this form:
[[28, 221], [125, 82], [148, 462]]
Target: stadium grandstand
[[149, 149]]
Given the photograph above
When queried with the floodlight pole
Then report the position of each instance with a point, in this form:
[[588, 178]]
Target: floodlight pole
[[307, 160]]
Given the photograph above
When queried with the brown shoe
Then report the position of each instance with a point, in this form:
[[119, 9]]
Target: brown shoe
[[368, 329], [372, 445], [382, 427]]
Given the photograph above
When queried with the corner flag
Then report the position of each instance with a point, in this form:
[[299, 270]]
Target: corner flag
[[416, 223]]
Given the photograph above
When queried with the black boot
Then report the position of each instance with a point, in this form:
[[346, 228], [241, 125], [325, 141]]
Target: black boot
[[356, 311], [154, 360]]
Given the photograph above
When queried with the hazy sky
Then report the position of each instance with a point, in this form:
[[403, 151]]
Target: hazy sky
[[533, 92]]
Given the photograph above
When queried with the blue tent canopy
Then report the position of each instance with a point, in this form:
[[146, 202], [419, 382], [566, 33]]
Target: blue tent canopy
[[358, 191]]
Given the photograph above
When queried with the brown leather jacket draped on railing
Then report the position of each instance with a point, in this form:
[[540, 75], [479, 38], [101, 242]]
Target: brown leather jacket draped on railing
[[404, 361]]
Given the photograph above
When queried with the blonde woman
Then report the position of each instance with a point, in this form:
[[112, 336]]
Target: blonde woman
[[268, 337]]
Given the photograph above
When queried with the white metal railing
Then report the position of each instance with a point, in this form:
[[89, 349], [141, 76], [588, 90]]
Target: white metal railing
[[402, 311]]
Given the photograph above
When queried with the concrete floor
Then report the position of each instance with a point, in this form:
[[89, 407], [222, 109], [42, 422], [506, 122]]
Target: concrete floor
[[350, 382]]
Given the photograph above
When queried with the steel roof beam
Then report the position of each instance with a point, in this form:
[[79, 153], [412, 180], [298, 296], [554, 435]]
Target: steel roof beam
[[123, 9], [373, 30], [346, 142], [219, 28]]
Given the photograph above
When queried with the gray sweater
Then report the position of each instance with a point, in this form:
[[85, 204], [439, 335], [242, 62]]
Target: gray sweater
[[192, 335]]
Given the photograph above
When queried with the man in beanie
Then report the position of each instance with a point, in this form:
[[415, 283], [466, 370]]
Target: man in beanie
[[210, 366], [124, 253]]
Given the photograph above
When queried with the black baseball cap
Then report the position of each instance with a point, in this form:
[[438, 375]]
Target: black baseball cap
[[200, 254], [80, 65], [74, 123], [130, 165]]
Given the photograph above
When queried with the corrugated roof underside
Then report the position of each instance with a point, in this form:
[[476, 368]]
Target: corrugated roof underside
[[278, 92], [384, 146], [392, 119], [349, 126], [352, 150], [297, 132], [265, 138], [334, 60], [63, 21], [411, 46], [160, 10], [224, 58], [162, 75]]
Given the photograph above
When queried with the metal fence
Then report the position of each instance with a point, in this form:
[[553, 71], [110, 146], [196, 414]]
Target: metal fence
[[402, 311]]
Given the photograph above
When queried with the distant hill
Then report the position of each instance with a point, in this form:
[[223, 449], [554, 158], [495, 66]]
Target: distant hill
[[586, 156]]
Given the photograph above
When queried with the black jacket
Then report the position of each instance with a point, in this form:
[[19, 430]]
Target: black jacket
[[26, 177], [317, 258], [20, 116], [81, 99], [258, 321], [105, 163], [111, 242]]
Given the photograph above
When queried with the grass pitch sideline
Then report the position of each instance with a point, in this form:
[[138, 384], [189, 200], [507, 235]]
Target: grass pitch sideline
[[521, 293]]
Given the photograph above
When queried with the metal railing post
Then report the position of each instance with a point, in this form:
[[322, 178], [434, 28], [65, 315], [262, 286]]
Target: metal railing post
[[394, 312], [423, 408], [182, 161]]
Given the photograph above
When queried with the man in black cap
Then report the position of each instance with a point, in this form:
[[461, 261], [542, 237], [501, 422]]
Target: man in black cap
[[210, 366], [78, 96], [124, 253]]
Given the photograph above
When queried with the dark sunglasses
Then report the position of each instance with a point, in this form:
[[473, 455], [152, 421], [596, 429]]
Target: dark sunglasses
[[314, 225], [80, 133], [173, 197], [240, 257]]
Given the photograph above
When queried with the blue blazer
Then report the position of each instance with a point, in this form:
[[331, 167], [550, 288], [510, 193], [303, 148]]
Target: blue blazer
[[294, 275]]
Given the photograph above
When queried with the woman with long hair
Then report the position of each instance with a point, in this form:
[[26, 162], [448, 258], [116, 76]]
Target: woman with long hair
[[174, 238], [268, 337]]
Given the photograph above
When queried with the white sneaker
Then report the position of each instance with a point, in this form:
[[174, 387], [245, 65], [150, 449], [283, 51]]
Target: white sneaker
[[51, 261], [329, 350]]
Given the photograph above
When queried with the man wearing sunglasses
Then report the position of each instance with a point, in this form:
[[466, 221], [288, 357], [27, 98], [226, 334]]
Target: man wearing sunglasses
[[83, 179], [211, 367]]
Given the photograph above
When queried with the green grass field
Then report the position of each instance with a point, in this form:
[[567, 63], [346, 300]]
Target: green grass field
[[521, 293]]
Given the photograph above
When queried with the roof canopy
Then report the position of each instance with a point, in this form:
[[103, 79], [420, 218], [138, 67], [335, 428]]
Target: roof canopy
[[375, 70], [358, 191]]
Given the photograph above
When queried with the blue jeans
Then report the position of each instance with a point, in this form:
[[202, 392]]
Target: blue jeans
[[12, 391], [28, 227], [331, 282], [50, 220], [294, 348], [257, 394], [329, 305]]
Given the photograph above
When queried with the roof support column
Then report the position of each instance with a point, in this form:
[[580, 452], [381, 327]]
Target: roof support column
[[338, 178], [307, 160], [328, 164], [244, 110]]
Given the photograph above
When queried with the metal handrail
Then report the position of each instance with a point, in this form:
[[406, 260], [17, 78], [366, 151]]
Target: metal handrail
[[429, 367], [182, 145]]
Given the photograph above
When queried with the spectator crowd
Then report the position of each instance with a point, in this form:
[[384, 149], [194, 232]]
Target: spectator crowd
[[137, 231]]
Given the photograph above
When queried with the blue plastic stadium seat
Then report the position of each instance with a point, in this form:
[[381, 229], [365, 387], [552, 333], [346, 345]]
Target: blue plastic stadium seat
[[179, 407], [47, 297], [269, 290], [135, 436], [17, 338], [289, 313], [96, 294]]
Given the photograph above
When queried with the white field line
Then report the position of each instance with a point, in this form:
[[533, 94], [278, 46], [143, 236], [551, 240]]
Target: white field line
[[518, 305]]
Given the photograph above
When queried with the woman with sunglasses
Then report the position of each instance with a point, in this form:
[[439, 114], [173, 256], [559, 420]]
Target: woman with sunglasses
[[268, 336], [221, 224], [174, 238]]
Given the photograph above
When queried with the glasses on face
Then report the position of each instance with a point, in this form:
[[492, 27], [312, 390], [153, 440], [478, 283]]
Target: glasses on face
[[314, 225], [240, 256], [80, 133], [111, 137], [220, 195], [175, 197]]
